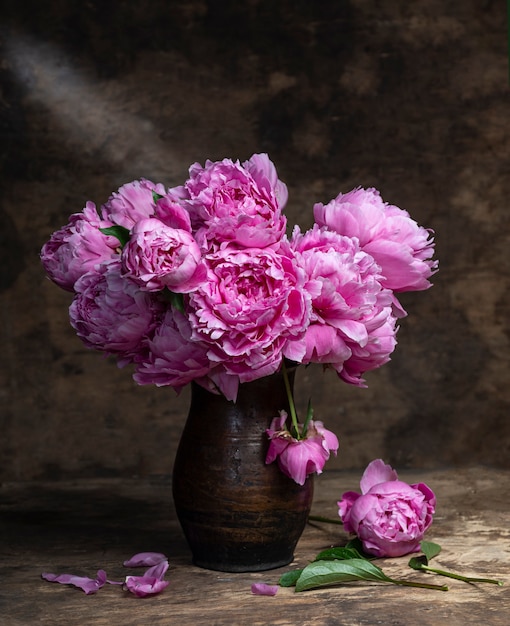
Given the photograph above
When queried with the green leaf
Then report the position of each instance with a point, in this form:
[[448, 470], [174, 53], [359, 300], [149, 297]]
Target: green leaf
[[429, 549], [176, 299], [309, 416], [325, 573], [289, 579], [120, 232], [356, 544], [341, 554], [156, 197], [418, 562]]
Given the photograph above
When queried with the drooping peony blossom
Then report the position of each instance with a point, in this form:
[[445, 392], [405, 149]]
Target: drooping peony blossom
[[158, 256], [297, 458], [250, 304], [172, 358], [78, 248], [400, 246], [389, 516], [112, 314], [230, 203], [132, 202], [351, 328]]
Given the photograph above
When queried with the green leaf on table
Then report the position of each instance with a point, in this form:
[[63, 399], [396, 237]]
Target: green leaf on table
[[356, 544], [120, 232], [430, 549], [326, 573], [289, 579], [341, 554]]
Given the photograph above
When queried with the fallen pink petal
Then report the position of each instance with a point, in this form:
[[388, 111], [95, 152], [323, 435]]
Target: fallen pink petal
[[142, 586], [150, 583], [88, 585], [262, 589], [145, 559]]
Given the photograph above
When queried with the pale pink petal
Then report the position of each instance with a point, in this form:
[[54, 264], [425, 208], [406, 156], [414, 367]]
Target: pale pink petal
[[262, 589], [143, 586], [145, 559], [376, 472], [88, 585]]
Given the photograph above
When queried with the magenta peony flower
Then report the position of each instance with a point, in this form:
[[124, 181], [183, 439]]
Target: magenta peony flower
[[112, 314], [400, 246], [390, 517], [133, 202], [250, 304], [237, 204], [172, 358], [157, 256], [297, 458], [352, 328], [78, 248]]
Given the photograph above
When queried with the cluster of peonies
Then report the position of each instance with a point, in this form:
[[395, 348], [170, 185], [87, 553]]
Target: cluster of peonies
[[389, 516], [201, 282]]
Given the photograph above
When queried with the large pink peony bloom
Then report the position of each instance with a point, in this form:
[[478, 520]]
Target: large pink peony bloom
[[237, 204], [352, 328], [251, 303], [390, 517], [133, 202], [299, 458], [173, 359], [157, 256], [78, 248], [112, 314], [400, 246]]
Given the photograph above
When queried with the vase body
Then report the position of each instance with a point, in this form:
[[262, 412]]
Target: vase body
[[237, 513]]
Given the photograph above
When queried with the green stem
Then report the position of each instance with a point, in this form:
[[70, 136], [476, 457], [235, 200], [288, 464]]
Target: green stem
[[292, 407], [466, 579], [327, 520], [409, 583]]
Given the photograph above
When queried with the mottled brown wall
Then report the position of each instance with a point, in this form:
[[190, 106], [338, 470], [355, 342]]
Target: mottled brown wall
[[411, 98]]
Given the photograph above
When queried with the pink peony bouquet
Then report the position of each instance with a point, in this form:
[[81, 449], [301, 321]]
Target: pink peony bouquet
[[202, 282]]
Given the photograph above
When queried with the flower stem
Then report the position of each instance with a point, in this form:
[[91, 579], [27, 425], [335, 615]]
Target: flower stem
[[292, 407], [466, 579], [327, 520], [409, 583]]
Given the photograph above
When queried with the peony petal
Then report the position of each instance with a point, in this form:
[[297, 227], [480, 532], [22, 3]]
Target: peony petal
[[145, 559], [143, 586], [376, 472], [88, 585], [262, 589]]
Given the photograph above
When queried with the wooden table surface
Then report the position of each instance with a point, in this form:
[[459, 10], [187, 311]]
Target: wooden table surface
[[81, 526]]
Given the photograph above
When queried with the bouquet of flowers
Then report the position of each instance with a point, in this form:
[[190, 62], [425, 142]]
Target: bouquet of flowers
[[202, 282]]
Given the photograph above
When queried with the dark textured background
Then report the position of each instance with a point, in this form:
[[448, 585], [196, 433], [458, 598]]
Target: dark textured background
[[409, 97]]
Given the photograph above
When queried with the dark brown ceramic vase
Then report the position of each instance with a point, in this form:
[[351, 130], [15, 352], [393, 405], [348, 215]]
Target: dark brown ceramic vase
[[237, 513]]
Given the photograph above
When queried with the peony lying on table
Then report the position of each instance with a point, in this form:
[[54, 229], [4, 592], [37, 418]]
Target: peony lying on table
[[200, 282], [389, 516]]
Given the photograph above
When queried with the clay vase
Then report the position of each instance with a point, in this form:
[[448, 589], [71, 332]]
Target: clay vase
[[237, 513]]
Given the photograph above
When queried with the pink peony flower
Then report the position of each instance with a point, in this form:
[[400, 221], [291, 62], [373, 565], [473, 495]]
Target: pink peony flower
[[172, 358], [237, 204], [299, 458], [157, 256], [133, 202], [390, 517], [400, 246], [112, 314], [251, 303], [352, 328], [78, 248]]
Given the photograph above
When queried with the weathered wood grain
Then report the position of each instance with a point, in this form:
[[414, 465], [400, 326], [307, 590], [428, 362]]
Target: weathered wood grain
[[79, 527]]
